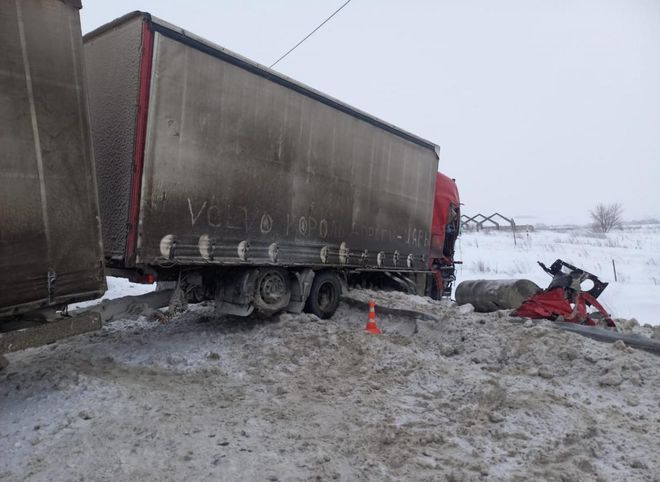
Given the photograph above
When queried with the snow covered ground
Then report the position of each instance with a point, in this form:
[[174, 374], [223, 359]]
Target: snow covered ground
[[635, 251], [117, 288], [453, 395], [201, 397]]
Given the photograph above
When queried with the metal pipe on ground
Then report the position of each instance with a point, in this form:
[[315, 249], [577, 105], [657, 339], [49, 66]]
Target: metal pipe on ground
[[493, 295]]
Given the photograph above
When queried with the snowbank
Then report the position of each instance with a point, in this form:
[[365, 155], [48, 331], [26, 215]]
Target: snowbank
[[467, 397]]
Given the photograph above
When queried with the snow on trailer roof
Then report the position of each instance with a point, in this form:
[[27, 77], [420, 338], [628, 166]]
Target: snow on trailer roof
[[188, 38]]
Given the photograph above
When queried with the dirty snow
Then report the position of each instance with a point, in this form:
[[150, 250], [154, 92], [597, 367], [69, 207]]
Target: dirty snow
[[452, 395], [466, 397]]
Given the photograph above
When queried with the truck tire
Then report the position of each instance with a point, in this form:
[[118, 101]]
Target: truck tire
[[272, 291], [323, 298]]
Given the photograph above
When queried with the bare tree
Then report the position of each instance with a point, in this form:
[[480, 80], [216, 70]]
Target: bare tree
[[607, 216]]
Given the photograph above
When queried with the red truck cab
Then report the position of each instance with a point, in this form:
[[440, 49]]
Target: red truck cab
[[444, 232]]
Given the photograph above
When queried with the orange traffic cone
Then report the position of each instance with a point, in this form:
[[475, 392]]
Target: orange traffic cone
[[372, 327]]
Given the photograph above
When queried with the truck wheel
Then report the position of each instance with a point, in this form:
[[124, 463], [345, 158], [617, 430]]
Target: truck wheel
[[323, 298], [272, 291]]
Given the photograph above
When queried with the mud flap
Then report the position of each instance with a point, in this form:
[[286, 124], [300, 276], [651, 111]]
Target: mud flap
[[300, 287], [234, 293]]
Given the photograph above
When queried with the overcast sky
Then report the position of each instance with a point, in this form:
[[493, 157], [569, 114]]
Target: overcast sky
[[541, 108]]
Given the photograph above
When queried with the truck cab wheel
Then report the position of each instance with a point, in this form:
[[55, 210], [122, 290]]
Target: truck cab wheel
[[324, 295], [272, 291]]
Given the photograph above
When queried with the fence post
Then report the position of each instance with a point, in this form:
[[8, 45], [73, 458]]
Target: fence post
[[513, 228], [614, 268]]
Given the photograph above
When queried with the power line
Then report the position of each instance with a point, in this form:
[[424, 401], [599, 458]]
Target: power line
[[310, 34]]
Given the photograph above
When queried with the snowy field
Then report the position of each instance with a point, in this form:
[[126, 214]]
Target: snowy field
[[635, 251]]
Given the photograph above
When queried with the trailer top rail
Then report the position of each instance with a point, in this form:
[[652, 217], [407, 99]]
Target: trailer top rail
[[199, 43]]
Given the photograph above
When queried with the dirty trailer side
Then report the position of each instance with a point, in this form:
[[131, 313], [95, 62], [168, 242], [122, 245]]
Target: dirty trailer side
[[50, 237], [248, 187]]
